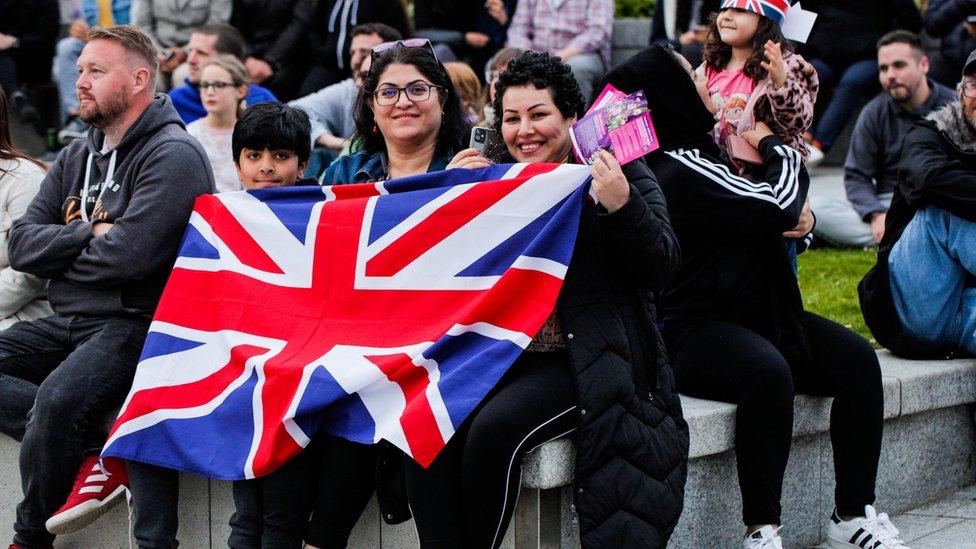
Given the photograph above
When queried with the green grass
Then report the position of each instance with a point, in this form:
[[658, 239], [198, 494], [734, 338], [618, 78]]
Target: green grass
[[828, 281]]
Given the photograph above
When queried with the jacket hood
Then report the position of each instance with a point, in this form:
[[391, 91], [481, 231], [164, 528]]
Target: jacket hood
[[160, 113], [680, 117], [952, 123]]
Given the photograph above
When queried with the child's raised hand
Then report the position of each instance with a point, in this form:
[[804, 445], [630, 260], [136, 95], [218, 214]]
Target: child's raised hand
[[774, 63]]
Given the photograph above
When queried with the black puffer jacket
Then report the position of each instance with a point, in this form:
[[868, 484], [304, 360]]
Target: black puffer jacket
[[632, 441]]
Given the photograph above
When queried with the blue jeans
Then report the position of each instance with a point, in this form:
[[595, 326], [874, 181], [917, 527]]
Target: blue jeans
[[65, 73], [61, 381], [929, 266], [850, 85]]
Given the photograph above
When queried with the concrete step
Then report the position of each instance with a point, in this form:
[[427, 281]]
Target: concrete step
[[928, 451]]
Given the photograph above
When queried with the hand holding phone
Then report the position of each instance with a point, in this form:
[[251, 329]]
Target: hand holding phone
[[486, 141]]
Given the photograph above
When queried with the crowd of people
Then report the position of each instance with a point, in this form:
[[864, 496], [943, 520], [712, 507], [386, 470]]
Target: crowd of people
[[689, 252]]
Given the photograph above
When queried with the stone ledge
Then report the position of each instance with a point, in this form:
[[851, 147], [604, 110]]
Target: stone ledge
[[910, 387]]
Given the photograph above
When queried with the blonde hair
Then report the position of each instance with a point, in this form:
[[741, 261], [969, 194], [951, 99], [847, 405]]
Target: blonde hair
[[133, 40], [237, 72], [467, 84]]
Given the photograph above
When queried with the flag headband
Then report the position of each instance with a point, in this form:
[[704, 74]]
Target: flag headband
[[775, 10]]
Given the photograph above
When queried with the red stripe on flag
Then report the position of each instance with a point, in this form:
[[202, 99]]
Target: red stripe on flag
[[439, 225], [418, 421], [361, 190], [447, 219], [189, 395], [229, 229]]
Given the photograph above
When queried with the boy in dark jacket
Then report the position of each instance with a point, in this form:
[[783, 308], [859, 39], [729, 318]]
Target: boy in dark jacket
[[920, 298], [104, 228]]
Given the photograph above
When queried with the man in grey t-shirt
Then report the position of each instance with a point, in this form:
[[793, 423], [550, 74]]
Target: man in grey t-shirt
[[871, 168], [331, 109]]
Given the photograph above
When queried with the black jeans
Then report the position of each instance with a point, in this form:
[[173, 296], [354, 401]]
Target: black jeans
[[272, 512], [726, 362], [466, 498], [61, 379]]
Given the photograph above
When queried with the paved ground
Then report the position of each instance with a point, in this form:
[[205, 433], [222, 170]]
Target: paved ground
[[949, 523]]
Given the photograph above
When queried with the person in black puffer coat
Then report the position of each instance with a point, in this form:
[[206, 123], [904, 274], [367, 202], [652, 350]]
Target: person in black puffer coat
[[597, 369], [733, 317]]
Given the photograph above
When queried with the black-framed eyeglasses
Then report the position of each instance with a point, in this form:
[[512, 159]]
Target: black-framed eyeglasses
[[408, 43], [418, 92], [217, 86], [968, 88]]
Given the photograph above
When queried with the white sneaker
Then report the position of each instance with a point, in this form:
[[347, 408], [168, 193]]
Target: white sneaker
[[766, 537], [814, 156], [874, 531]]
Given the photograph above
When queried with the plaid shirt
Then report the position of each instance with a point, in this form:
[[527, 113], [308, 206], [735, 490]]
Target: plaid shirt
[[541, 25]]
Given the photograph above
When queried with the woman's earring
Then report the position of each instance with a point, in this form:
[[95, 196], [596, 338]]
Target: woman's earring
[[376, 130]]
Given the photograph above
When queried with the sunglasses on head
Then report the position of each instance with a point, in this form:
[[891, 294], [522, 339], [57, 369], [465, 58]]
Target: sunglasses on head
[[408, 43]]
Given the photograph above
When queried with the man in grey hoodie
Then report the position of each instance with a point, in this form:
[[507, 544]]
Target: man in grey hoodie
[[104, 228]]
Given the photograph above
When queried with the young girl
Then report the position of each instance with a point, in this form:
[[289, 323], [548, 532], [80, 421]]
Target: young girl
[[753, 75], [223, 87]]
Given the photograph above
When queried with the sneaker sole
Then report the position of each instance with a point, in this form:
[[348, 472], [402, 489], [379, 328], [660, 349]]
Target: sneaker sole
[[80, 516], [835, 543]]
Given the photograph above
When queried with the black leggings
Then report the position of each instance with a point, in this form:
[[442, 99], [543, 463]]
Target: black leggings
[[726, 362], [333, 476], [466, 498]]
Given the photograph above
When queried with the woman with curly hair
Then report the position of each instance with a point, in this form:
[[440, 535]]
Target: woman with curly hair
[[596, 371]]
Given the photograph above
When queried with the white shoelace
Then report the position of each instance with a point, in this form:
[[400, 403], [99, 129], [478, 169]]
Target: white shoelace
[[882, 529]]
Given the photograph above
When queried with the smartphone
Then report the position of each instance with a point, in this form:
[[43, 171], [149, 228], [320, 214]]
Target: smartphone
[[971, 19], [487, 141]]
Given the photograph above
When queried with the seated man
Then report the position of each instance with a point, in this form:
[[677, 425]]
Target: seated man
[[169, 25], [104, 228], [578, 31], [207, 42], [331, 109], [871, 169], [68, 50], [920, 298]]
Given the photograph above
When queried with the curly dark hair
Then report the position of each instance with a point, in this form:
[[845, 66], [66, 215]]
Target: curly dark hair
[[455, 127], [717, 53], [545, 72]]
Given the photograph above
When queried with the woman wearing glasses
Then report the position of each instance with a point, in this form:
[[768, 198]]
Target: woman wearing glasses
[[596, 371], [223, 87], [409, 119]]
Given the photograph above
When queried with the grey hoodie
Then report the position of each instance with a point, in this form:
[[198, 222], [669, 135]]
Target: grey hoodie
[[159, 172]]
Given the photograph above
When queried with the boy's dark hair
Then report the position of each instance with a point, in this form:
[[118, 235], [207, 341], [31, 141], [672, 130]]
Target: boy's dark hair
[[385, 32], [273, 126], [453, 133], [230, 41], [903, 37], [717, 53]]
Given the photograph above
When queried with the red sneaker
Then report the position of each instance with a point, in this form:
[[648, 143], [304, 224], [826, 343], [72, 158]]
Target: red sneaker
[[97, 489]]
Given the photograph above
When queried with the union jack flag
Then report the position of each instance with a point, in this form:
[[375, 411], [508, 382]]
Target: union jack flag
[[372, 311]]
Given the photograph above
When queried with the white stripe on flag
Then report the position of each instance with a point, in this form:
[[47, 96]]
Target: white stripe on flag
[[542, 265]]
